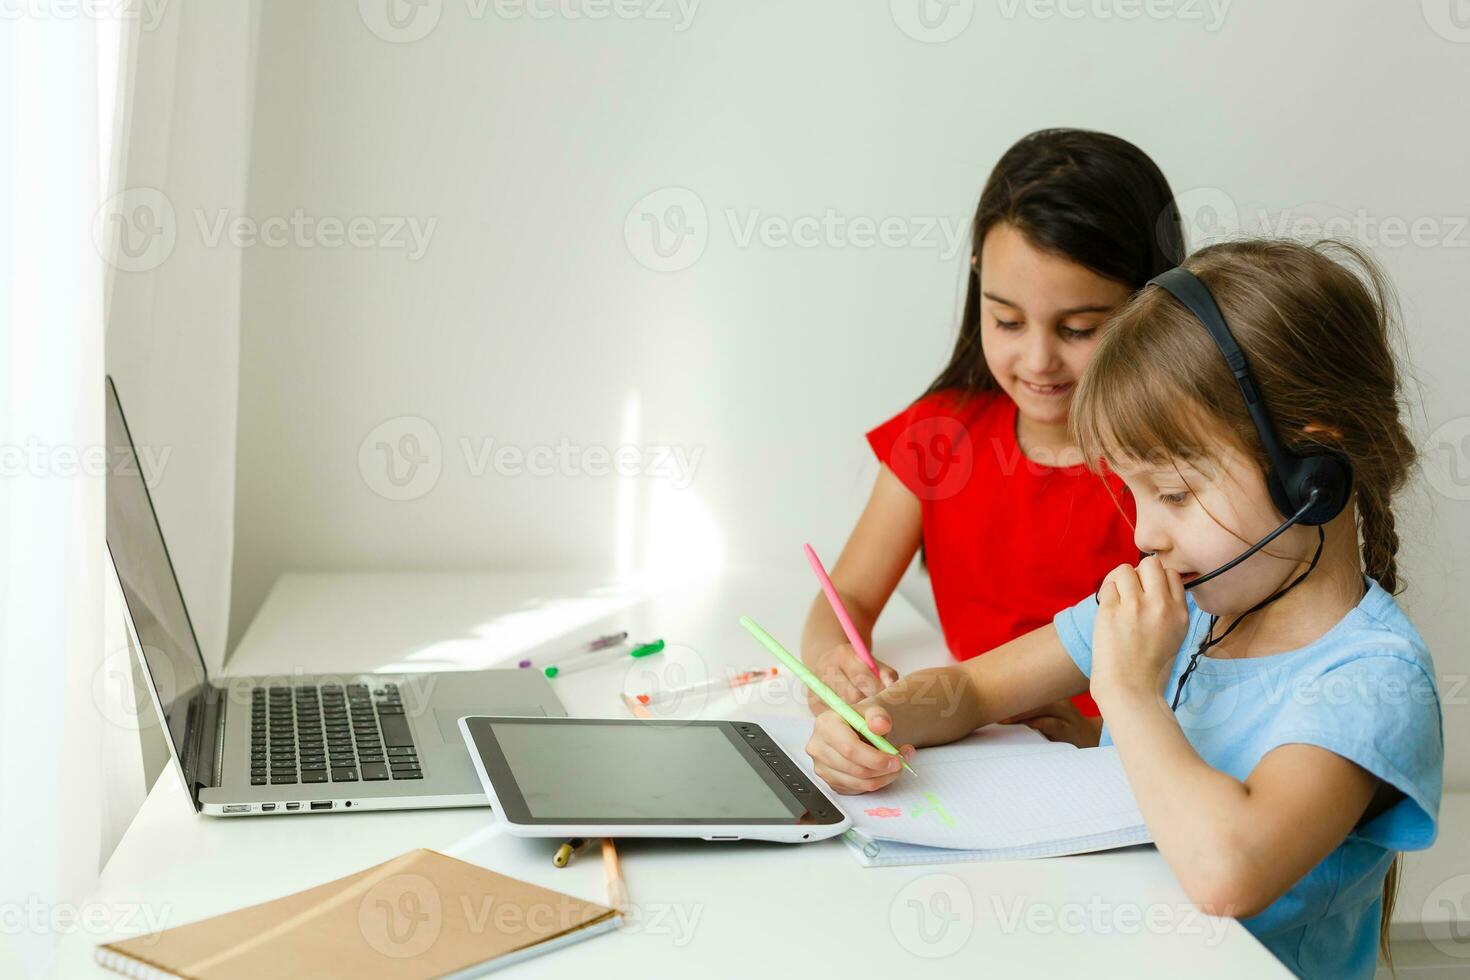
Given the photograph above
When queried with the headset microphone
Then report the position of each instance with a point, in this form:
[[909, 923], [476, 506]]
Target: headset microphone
[[1294, 519]]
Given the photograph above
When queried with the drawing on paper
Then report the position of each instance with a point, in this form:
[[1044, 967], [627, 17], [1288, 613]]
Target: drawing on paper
[[934, 807]]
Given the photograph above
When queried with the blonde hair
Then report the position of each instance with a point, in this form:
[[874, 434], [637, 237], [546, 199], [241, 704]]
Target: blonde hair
[[1315, 323]]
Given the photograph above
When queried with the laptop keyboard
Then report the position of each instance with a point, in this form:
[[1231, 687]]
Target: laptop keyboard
[[335, 732]]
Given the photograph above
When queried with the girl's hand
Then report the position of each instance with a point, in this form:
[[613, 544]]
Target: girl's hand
[[845, 759], [1060, 721], [841, 669], [1141, 621]]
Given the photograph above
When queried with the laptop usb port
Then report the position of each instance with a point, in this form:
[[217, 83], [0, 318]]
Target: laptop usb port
[[321, 805], [238, 808], [267, 807], [293, 806]]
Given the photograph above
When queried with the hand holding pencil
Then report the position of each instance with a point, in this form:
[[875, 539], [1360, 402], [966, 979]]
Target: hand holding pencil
[[848, 668], [861, 747], [841, 669], [846, 761]]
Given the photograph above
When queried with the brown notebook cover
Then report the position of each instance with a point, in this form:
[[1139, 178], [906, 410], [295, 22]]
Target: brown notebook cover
[[422, 914]]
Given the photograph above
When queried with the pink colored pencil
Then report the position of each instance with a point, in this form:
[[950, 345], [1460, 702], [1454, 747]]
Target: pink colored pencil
[[835, 601]]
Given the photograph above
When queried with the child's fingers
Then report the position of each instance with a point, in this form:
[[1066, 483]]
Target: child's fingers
[[1176, 586], [850, 785], [1108, 593], [1153, 578], [887, 674], [827, 754], [860, 678], [877, 718], [1125, 580], [835, 744], [835, 677], [864, 756]]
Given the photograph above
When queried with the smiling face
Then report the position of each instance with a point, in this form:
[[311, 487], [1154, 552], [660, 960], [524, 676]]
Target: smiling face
[[1198, 514], [1041, 317]]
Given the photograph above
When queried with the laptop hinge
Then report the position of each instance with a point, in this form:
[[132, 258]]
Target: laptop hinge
[[210, 769]]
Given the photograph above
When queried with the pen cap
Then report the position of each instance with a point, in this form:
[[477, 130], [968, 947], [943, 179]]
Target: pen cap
[[647, 649]]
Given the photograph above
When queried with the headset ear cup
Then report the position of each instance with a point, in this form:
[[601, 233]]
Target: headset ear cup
[[1330, 474]]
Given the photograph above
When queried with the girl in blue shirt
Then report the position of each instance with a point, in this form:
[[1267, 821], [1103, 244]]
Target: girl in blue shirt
[[1280, 723]]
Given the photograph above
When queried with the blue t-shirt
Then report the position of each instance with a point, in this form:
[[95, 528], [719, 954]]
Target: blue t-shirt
[[1364, 690]]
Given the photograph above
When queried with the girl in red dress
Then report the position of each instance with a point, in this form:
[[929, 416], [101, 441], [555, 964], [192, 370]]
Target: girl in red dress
[[979, 471]]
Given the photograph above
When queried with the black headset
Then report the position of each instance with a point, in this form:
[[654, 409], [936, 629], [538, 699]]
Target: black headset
[[1307, 488], [1292, 477]]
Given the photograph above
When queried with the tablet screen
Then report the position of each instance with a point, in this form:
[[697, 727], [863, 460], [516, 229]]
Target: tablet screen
[[590, 771]]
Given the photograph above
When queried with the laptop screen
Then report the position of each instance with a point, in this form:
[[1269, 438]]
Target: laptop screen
[[149, 586]]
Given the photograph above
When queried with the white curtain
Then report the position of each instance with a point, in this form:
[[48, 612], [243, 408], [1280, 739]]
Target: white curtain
[[58, 78]]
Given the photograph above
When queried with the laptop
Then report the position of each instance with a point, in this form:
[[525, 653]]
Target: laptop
[[303, 743]]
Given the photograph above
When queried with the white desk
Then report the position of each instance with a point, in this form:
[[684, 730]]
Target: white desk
[[738, 909]]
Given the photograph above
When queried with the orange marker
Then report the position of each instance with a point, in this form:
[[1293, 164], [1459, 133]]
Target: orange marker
[[752, 676]]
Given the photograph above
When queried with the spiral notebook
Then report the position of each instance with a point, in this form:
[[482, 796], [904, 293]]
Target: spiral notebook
[[422, 914], [1005, 793]]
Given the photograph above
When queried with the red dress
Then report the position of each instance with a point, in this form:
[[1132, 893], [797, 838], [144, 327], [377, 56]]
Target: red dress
[[1009, 541]]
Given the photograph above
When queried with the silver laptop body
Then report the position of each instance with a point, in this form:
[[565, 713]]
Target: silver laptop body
[[298, 743]]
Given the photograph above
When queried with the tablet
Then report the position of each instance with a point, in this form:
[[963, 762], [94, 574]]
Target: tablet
[[626, 777]]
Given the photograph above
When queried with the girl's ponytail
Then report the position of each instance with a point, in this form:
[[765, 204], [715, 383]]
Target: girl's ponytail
[[1380, 538]]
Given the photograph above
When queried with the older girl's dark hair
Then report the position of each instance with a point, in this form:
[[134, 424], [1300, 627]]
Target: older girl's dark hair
[[1092, 198]]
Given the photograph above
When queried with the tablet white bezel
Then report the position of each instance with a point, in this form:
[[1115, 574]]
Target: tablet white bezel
[[792, 833]]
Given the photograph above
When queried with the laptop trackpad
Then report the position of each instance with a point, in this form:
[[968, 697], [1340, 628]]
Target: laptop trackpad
[[448, 719]]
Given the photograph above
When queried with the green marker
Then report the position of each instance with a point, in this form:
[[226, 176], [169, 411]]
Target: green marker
[[848, 712], [600, 658]]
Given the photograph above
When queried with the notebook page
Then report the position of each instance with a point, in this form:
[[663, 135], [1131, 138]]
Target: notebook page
[[1003, 802], [1004, 787]]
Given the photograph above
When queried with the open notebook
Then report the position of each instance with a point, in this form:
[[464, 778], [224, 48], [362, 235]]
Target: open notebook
[[422, 914], [1004, 793]]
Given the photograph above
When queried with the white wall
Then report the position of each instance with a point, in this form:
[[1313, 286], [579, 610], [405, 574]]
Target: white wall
[[172, 340], [530, 318], [173, 328]]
